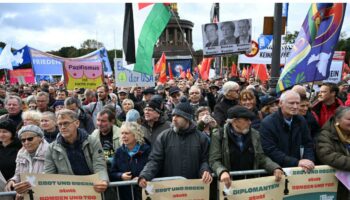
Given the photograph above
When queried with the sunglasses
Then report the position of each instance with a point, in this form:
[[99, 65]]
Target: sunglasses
[[30, 139]]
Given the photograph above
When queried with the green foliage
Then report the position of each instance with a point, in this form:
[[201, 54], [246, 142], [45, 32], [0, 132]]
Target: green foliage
[[290, 37], [344, 45], [91, 44]]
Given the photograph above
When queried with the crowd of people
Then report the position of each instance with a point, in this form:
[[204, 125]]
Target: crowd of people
[[188, 128]]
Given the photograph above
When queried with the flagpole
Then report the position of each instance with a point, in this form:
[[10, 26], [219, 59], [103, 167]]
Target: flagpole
[[185, 39]]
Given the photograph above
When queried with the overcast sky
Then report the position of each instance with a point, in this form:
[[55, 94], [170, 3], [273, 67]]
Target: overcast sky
[[52, 26]]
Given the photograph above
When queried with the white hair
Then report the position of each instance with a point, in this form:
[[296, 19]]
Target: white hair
[[288, 93], [229, 85]]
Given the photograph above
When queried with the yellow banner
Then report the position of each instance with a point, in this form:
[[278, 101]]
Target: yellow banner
[[79, 74], [60, 187], [253, 189], [191, 189]]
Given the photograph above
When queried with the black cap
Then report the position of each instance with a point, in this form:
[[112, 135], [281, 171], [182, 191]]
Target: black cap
[[213, 85], [267, 100], [345, 83], [174, 90], [155, 103], [150, 90], [240, 112]]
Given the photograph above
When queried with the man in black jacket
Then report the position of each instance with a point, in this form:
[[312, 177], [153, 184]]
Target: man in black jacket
[[285, 136], [181, 150]]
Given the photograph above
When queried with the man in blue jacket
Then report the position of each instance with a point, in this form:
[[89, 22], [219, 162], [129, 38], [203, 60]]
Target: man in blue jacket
[[285, 136]]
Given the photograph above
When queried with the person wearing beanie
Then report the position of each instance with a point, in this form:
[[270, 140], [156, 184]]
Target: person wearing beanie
[[30, 159], [181, 150], [237, 147], [9, 147], [133, 116], [155, 121], [58, 105]]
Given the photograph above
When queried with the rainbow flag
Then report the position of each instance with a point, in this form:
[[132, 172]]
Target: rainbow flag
[[313, 49]]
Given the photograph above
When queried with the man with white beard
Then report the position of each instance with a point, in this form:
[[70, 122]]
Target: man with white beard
[[237, 147], [181, 150]]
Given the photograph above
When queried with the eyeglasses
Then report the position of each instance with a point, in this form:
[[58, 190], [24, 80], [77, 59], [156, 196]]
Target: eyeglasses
[[194, 93], [30, 139], [65, 124]]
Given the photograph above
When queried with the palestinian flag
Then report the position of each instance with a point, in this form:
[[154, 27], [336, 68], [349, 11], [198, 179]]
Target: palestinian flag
[[150, 21]]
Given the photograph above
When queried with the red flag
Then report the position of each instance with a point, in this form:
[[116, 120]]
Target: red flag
[[189, 75], [159, 65], [182, 73], [171, 76], [234, 72], [245, 73], [261, 71], [205, 68], [161, 68]]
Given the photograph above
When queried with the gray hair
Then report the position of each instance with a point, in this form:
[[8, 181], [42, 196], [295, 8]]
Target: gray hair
[[65, 112], [19, 100], [130, 101], [229, 85], [288, 93], [340, 112], [31, 99], [49, 114], [43, 94], [72, 100], [135, 129], [194, 87]]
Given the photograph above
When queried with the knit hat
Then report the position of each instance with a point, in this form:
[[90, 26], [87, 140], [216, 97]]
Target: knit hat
[[9, 125], [267, 100], [132, 115], [58, 103], [31, 128], [240, 112], [184, 109], [155, 104]]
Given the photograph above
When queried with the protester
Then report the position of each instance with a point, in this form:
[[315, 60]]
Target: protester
[[229, 99], [86, 122], [154, 122], [333, 144], [127, 105], [49, 126], [269, 105], [31, 117], [82, 154], [178, 142], [205, 122], [285, 136], [130, 158], [196, 98], [9, 146], [30, 159], [247, 99], [42, 102], [237, 147], [13, 105], [327, 102], [133, 116], [107, 133]]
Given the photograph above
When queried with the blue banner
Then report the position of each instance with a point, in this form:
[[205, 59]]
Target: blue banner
[[264, 41], [45, 65], [179, 65]]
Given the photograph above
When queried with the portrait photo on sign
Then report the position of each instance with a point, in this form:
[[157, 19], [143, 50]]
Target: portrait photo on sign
[[227, 37]]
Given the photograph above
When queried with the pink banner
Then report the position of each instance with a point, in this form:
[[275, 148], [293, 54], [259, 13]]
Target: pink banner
[[21, 76]]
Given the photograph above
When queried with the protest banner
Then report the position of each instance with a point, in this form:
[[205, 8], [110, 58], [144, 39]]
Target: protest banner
[[128, 78], [60, 187], [252, 189], [21, 76], [227, 37], [82, 74], [320, 183], [176, 189], [336, 68]]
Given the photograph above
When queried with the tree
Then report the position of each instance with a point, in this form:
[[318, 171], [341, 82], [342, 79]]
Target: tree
[[290, 37], [344, 45], [91, 44]]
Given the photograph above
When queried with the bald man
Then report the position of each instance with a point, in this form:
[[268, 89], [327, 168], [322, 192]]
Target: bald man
[[285, 136]]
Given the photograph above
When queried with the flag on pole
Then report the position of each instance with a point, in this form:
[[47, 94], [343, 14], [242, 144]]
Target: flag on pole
[[204, 68], [261, 72], [6, 58], [161, 65], [128, 35], [171, 76], [234, 71], [151, 19], [313, 50], [189, 75]]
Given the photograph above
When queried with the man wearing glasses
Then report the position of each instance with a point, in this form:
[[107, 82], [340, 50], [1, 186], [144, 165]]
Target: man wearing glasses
[[82, 154]]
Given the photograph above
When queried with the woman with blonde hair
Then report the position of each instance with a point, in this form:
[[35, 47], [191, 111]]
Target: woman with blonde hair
[[130, 158], [31, 117]]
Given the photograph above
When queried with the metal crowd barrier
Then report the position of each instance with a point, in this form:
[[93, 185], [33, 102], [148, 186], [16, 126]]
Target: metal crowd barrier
[[132, 183]]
